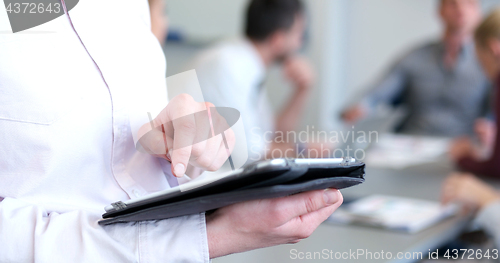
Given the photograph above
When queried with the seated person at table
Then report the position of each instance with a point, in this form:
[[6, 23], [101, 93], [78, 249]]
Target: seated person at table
[[232, 73], [487, 38], [440, 84], [471, 192]]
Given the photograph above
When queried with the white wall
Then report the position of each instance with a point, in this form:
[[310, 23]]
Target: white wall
[[206, 20]]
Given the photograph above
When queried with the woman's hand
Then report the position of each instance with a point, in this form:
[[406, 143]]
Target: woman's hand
[[462, 148], [269, 222], [469, 190], [188, 132], [486, 131]]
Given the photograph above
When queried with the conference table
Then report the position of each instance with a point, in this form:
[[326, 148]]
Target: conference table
[[422, 182]]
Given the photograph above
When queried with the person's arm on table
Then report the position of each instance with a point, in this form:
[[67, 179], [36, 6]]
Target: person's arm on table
[[469, 158], [488, 219], [475, 194], [477, 157], [489, 167], [384, 92]]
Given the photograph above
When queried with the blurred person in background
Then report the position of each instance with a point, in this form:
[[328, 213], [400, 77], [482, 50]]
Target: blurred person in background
[[232, 73], [469, 157], [466, 188], [440, 84]]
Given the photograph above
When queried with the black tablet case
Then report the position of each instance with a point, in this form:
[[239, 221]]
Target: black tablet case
[[253, 183]]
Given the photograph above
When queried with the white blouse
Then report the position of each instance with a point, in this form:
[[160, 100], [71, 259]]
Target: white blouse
[[73, 92]]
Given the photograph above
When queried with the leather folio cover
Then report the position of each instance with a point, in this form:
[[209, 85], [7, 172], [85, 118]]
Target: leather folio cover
[[253, 182]]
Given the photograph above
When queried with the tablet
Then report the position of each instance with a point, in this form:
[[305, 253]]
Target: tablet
[[260, 180]]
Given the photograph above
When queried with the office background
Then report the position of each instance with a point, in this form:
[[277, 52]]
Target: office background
[[350, 43]]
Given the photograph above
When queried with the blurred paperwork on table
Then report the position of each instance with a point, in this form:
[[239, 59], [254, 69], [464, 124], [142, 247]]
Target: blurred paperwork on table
[[397, 151], [393, 213]]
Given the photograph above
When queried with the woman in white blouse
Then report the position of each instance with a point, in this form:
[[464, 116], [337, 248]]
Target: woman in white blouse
[[73, 94]]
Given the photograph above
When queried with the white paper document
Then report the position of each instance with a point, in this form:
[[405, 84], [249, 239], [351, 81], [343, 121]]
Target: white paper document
[[394, 213], [403, 151]]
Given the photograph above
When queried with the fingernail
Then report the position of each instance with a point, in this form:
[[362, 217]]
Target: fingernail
[[331, 196], [179, 170]]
